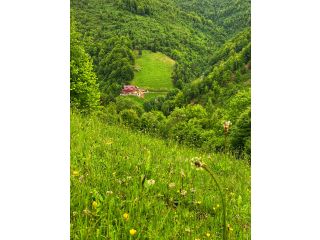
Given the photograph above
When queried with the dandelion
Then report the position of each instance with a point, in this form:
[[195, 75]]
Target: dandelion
[[183, 192], [126, 216], [172, 185], [133, 232], [151, 182], [75, 173], [94, 204], [208, 234]]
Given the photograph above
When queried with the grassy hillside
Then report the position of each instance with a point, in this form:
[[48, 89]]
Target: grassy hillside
[[175, 201], [155, 71]]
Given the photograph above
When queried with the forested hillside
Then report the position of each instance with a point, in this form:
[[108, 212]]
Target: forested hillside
[[172, 159], [210, 44]]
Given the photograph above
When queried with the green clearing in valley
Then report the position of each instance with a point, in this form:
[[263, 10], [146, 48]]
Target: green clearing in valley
[[155, 71]]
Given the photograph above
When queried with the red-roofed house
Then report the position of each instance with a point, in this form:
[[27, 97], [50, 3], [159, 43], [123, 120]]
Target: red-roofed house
[[132, 90]]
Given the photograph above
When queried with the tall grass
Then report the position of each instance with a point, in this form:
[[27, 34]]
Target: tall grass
[[126, 185]]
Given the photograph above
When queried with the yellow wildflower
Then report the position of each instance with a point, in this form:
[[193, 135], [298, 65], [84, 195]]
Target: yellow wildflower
[[126, 216], [208, 234], [94, 204], [133, 232], [75, 173], [230, 229]]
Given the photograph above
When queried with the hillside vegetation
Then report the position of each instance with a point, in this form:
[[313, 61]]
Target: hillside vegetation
[[123, 180], [176, 164]]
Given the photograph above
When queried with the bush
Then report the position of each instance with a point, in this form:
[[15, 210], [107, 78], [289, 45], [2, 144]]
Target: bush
[[130, 118]]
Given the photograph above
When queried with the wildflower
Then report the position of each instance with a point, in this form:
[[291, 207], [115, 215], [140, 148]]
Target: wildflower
[[151, 182], [198, 164], [108, 142], [182, 173], [226, 126], [187, 230], [74, 213], [126, 216], [208, 234], [133, 232], [75, 173], [229, 228], [109, 192], [197, 202], [172, 185], [183, 192], [192, 190], [86, 211], [94, 204]]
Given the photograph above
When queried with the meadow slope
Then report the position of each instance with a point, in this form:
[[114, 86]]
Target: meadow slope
[[123, 180], [155, 71]]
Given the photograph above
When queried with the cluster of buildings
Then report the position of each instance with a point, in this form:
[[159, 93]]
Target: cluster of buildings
[[132, 90]]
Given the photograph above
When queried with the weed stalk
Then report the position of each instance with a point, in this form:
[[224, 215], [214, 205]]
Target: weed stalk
[[223, 202]]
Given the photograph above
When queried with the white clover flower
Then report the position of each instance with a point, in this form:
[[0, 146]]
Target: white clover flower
[[183, 192], [151, 182]]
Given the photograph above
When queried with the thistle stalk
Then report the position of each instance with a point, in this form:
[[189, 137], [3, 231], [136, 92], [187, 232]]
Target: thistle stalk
[[223, 202]]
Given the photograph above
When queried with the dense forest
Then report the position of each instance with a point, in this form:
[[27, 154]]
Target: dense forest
[[210, 43]]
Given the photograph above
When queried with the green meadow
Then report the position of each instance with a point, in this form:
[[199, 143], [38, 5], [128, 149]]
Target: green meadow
[[128, 185], [153, 71]]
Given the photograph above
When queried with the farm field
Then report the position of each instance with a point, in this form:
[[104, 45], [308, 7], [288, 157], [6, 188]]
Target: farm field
[[128, 185], [155, 71]]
